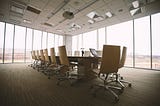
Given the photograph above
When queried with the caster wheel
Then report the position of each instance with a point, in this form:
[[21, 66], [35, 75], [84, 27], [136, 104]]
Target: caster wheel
[[129, 84], [121, 78], [94, 94], [116, 99], [122, 89], [57, 83]]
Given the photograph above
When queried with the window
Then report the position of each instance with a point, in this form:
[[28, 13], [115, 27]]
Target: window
[[9, 43], [74, 43], [29, 40], [51, 41], [56, 43], [90, 40], [37, 40], [142, 42], [2, 25], [122, 34], [101, 38], [44, 40], [60, 40], [80, 45], [19, 43], [156, 41]]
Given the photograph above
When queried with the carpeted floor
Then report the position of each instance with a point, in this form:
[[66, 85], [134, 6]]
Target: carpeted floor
[[21, 85]]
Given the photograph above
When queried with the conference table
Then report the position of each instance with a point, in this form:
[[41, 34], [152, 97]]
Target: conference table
[[85, 63]]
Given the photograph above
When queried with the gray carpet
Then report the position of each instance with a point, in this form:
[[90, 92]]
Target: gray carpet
[[21, 85]]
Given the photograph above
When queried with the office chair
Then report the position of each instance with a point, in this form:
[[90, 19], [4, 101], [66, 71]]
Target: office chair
[[37, 58], [33, 58], [67, 70], [53, 67], [109, 64], [41, 64], [117, 76]]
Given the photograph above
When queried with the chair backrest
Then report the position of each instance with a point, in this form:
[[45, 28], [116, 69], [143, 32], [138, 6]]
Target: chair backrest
[[42, 55], [63, 56], [110, 59], [53, 56], [45, 51], [37, 55], [33, 54], [123, 57]]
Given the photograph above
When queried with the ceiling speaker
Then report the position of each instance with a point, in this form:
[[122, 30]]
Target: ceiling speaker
[[68, 15]]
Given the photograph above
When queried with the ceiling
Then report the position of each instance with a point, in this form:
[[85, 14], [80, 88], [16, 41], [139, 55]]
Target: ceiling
[[47, 15]]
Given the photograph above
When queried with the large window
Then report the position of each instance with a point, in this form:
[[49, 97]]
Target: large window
[[9, 43], [74, 43], [29, 40], [142, 42], [156, 41], [44, 40], [122, 34], [51, 41], [2, 25], [101, 38], [90, 40], [19, 44], [37, 40]]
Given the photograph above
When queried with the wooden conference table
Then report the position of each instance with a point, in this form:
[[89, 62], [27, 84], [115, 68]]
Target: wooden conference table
[[86, 64]]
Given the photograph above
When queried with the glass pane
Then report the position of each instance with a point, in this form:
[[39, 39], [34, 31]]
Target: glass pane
[[2, 25], [101, 38], [56, 43], [156, 41], [51, 42], [118, 35], [19, 44], [37, 40], [142, 50], [90, 40], [44, 40], [29, 45], [8, 43], [80, 42], [74, 43], [60, 40]]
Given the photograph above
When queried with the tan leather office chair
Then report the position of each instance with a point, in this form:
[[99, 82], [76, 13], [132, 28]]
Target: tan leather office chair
[[121, 65], [41, 64], [37, 57], [109, 64], [53, 68], [116, 76], [33, 58], [67, 72]]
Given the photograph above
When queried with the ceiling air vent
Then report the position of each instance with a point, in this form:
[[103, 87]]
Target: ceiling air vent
[[47, 24], [34, 10]]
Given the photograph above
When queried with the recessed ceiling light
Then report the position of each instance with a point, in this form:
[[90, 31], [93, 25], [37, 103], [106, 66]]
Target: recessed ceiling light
[[26, 21], [135, 4], [90, 21], [17, 9], [135, 11], [109, 14], [92, 15], [59, 30]]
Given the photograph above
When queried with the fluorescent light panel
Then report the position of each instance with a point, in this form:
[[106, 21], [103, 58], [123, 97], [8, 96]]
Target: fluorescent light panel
[[109, 14], [17, 9], [92, 14], [135, 4]]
